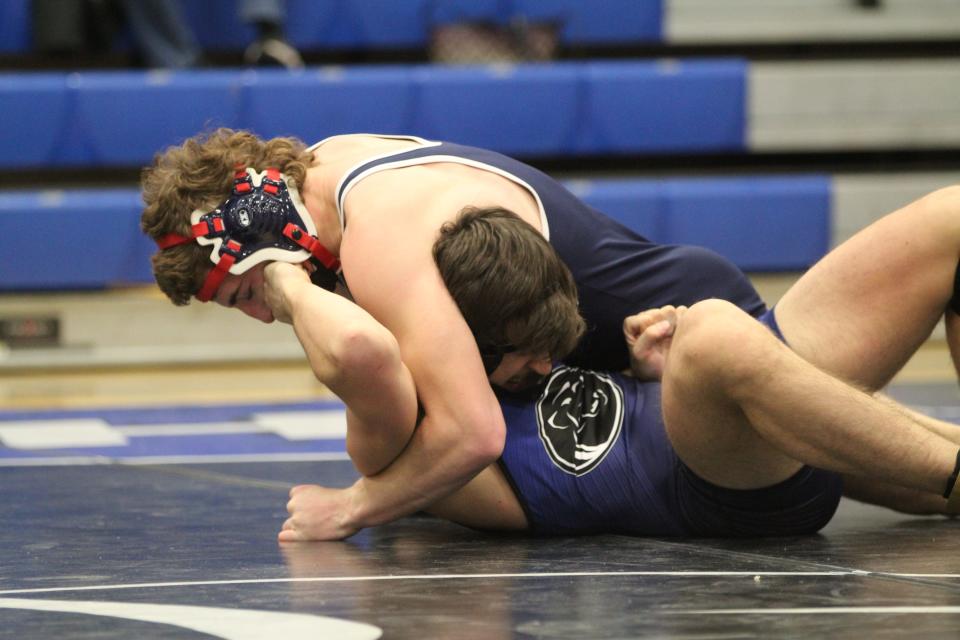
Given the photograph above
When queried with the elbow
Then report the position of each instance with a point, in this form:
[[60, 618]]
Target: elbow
[[493, 442], [486, 439], [363, 462]]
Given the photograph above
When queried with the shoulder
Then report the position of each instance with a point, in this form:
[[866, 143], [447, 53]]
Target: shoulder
[[388, 263]]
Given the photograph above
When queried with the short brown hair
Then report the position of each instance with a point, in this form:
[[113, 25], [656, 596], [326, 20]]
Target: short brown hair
[[509, 283], [199, 174]]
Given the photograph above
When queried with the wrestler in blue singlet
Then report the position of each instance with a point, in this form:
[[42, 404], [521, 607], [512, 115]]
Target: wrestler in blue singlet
[[592, 455], [618, 272]]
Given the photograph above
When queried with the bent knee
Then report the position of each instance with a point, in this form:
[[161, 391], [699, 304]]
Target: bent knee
[[940, 206], [948, 194], [717, 339], [708, 324]]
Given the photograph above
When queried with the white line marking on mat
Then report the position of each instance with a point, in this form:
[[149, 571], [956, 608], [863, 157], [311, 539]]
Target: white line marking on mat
[[818, 610], [488, 576], [449, 576], [219, 622], [59, 434], [85, 461]]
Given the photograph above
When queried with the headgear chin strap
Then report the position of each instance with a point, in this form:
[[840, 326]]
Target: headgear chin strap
[[262, 220], [492, 355]]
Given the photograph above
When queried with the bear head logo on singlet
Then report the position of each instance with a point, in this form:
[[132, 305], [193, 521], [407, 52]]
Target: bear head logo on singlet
[[579, 417]]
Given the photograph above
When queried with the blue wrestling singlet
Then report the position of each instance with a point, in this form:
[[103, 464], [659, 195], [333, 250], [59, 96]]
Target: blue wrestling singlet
[[592, 455], [618, 272]]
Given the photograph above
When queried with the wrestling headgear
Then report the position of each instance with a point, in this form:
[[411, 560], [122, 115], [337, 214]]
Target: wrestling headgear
[[262, 220], [492, 355]]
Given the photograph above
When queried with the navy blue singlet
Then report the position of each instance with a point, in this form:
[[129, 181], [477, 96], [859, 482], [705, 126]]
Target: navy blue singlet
[[591, 454], [618, 272]]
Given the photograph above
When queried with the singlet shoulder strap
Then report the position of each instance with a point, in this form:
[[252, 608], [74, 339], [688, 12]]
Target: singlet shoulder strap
[[317, 145], [430, 152]]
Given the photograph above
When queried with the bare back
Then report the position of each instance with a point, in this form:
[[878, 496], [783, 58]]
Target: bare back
[[438, 189]]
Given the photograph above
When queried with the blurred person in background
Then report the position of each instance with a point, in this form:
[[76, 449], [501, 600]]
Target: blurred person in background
[[160, 33]]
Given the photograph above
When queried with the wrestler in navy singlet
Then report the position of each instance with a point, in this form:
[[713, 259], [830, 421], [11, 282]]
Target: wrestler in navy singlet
[[618, 272], [591, 455]]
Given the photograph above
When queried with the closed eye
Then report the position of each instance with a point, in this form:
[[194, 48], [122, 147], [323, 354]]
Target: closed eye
[[236, 297]]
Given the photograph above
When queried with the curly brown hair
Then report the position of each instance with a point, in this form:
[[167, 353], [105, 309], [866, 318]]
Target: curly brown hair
[[509, 283], [199, 174]]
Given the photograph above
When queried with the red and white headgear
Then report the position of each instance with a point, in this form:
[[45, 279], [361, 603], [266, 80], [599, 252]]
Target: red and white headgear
[[264, 219]]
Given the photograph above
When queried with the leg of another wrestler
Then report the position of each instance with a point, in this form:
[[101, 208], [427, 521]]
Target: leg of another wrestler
[[898, 498], [948, 430], [862, 311], [355, 357], [952, 323], [892, 496], [743, 411]]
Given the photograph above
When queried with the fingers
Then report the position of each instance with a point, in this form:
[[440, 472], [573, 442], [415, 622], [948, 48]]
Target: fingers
[[298, 488], [315, 514], [654, 334], [290, 535], [289, 532], [660, 330], [649, 335], [634, 326], [291, 504]]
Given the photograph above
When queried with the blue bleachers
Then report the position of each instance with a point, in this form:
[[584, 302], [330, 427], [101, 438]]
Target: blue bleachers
[[760, 223], [644, 107], [123, 118], [15, 26], [91, 238], [87, 239], [389, 24], [567, 109]]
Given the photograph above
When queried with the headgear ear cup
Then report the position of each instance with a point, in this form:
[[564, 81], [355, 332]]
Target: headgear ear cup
[[324, 278], [264, 219], [492, 356]]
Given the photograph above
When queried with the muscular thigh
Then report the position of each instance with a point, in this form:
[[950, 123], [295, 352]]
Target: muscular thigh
[[863, 310], [713, 437]]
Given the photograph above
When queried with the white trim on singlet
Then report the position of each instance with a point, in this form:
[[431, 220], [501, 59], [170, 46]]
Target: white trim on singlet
[[421, 141], [343, 187]]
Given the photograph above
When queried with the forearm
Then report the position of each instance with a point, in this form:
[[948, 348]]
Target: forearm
[[463, 429], [431, 467], [359, 361], [370, 445]]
